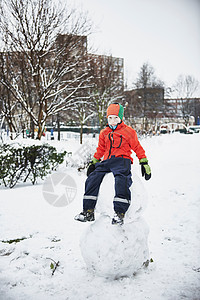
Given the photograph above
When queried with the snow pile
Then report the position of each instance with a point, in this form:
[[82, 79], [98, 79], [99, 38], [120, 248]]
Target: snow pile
[[114, 251]]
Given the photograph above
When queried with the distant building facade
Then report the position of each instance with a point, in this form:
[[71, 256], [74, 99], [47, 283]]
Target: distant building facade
[[150, 110], [144, 107], [71, 48], [180, 108]]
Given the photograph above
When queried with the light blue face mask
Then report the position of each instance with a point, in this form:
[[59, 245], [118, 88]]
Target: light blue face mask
[[113, 127]]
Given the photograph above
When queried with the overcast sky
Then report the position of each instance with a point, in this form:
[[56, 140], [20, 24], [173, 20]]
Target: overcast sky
[[165, 33]]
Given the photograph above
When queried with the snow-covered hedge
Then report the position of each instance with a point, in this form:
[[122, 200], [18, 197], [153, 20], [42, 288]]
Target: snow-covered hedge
[[21, 163]]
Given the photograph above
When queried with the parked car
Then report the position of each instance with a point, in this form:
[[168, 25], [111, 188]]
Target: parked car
[[194, 129]]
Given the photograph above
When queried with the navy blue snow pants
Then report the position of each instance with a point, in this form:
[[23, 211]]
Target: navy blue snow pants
[[121, 169]]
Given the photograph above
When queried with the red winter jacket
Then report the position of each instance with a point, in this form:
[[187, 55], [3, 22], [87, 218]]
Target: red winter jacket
[[119, 142]]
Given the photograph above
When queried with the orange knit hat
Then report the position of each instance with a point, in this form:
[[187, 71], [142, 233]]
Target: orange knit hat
[[115, 109]]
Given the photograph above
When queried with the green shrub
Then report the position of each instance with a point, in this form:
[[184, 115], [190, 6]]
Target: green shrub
[[19, 164]]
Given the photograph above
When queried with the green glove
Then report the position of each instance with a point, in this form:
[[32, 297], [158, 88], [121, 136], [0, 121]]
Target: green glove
[[145, 168], [91, 166]]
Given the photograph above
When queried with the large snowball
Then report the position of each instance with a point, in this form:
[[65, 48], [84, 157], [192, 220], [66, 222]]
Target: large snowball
[[110, 250], [113, 251]]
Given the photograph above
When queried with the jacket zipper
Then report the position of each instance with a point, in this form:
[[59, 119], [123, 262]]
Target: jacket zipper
[[109, 136], [120, 141]]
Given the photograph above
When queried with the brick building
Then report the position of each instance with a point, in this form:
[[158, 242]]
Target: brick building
[[144, 107], [178, 108], [39, 76], [150, 111]]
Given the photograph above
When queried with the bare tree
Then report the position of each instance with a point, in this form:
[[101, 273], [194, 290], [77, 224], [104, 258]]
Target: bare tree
[[107, 83], [82, 112], [150, 94], [185, 86], [46, 45], [184, 89]]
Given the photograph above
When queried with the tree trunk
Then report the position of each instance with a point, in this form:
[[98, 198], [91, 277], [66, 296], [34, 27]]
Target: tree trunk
[[58, 124], [39, 131], [32, 129], [81, 134]]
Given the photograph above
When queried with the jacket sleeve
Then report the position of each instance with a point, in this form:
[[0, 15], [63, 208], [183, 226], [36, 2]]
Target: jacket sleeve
[[136, 146], [101, 147]]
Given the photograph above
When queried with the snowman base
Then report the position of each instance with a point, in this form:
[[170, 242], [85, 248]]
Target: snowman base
[[114, 251]]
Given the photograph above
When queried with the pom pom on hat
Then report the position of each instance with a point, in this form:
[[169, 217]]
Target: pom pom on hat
[[115, 109]]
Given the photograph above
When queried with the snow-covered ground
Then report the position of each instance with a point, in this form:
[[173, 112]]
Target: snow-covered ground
[[168, 206]]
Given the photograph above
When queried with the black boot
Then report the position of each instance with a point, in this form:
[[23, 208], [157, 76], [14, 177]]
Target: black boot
[[118, 218], [85, 216]]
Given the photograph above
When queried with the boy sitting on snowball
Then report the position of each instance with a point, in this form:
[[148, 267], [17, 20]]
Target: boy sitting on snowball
[[115, 144]]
